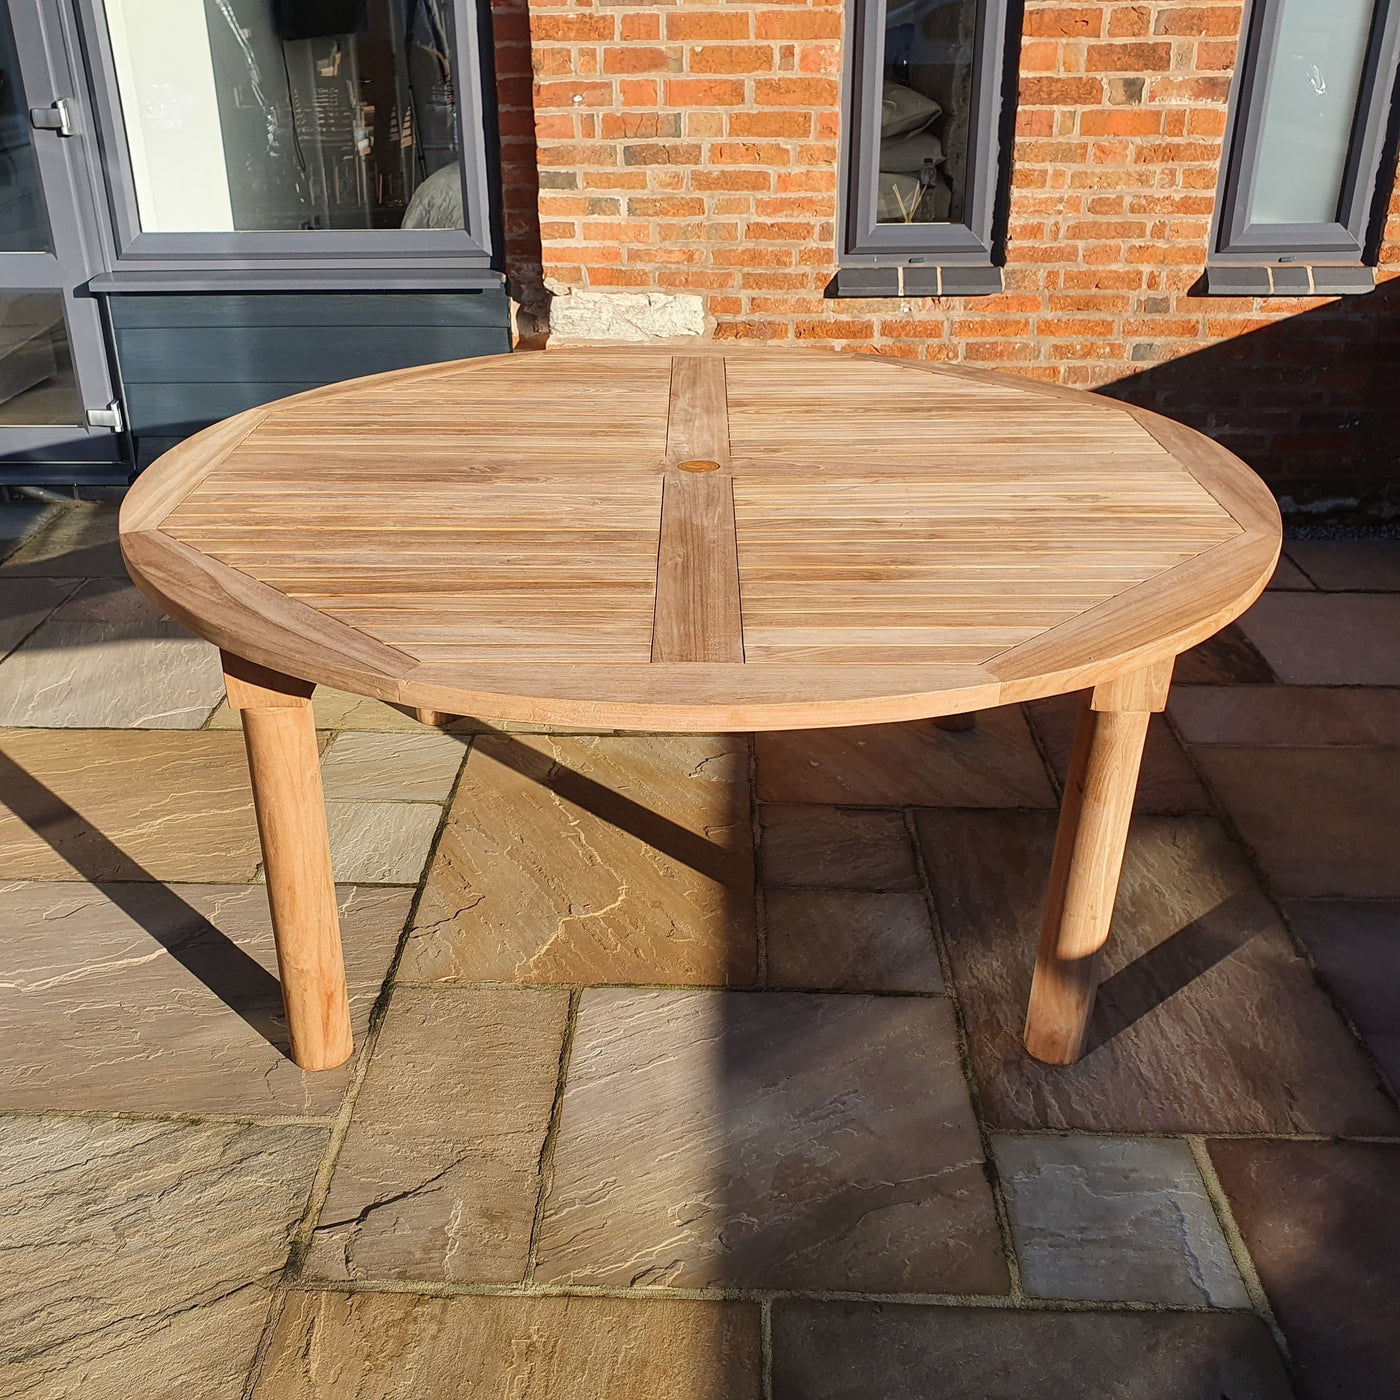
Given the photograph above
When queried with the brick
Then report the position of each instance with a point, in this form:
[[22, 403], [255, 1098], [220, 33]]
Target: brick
[[670, 153], [709, 24], [1127, 58], [730, 58], [797, 24], [1065, 22], [777, 123], [705, 92], [1061, 92], [796, 92], [635, 58], [1122, 121]]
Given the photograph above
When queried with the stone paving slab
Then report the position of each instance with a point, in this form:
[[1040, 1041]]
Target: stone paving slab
[[857, 1351], [439, 1175], [850, 940], [1321, 822], [392, 767], [1224, 659], [1328, 638], [835, 848], [994, 764], [1115, 1220], [1288, 577], [587, 860], [1356, 945], [1363, 565], [75, 541], [1322, 1222], [18, 520], [386, 1346], [1206, 1020], [768, 1140], [25, 603], [106, 658], [1166, 782], [381, 843], [143, 998], [126, 805], [1287, 716], [138, 1256]]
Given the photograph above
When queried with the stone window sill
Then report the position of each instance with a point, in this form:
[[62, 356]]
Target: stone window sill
[[915, 280], [1288, 280]]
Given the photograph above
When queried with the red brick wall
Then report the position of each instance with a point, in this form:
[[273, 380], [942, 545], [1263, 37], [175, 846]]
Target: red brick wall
[[694, 147]]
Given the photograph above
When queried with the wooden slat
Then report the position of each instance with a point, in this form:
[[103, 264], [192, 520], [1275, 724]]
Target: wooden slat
[[697, 423]]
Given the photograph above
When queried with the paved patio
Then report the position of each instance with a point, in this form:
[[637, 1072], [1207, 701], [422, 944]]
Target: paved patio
[[690, 1067]]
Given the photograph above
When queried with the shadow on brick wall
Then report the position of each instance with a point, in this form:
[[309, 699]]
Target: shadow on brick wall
[[1312, 402]]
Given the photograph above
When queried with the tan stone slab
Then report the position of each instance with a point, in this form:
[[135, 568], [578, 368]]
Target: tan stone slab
[[584, 860], [1363, 566], [387, 1346], [107, 659], [146, 998], [77, 541], [835, 848], [1224, 659], [1206, 1021], [381, 843], [139, 1257], [994, 764], [768, 1140], [1328, 638], [393, 767], [125, 805], [850, 941], [1323, 823], [1286, 716], [25, 603], [1166, 782], [439, 1175]]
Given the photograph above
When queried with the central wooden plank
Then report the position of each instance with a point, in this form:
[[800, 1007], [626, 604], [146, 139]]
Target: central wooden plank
[[698, 616]]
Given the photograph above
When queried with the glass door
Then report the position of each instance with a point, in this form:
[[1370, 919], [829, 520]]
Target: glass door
[[58, 419]]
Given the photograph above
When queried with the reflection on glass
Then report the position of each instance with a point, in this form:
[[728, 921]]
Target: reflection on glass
[[1315, 79], [24, 226], [36, 370], [265, 115], [926, 110]]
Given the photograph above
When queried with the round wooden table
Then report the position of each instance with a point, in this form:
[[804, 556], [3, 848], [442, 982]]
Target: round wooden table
[[698, 540]]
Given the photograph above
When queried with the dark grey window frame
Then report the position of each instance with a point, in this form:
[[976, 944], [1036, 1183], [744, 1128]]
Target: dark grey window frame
[[324, 258], [918, 259], [1256, 259]]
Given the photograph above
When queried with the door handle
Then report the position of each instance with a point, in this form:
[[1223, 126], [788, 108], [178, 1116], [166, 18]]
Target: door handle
[[56, 117]]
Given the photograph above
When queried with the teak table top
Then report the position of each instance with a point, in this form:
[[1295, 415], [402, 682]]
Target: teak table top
[[528, 537]]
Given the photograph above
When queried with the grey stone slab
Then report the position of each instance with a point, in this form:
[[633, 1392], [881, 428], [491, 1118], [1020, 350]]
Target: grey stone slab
[[387, 1346], [77, 541], [835, 848], [17, 520], [145, 998], [107, 659], [1289, 578], [381, 843], [393, 767], [855, 1351], [994, 764], [25, 603], [1321, 822], [1360, 565], [1286, 716], [1166, 781], [1115, 1220], [439, 1175], [1206, 1018], [768, 1140], [1322, 1224], [1328, 638], [1224, 659], [586, 860], [139, 1257], [104, 805], [1356, 945], [851, 940]]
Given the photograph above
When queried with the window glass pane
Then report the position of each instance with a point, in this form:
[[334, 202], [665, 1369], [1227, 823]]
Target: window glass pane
[[926, 110], [1314, 80], [36, 370], [266, 115], [24, 226]]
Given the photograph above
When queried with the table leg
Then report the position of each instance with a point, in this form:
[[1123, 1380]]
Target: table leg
[[1088, 859], [280, 732]]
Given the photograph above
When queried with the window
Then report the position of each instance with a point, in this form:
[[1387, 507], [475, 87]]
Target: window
[[922, 158], [1311, 107], [294, 128]]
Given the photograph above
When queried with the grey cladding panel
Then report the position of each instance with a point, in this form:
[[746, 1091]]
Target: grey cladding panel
[[485, 308]]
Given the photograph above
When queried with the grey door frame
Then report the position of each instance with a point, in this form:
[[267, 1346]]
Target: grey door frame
[[44, 44]]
